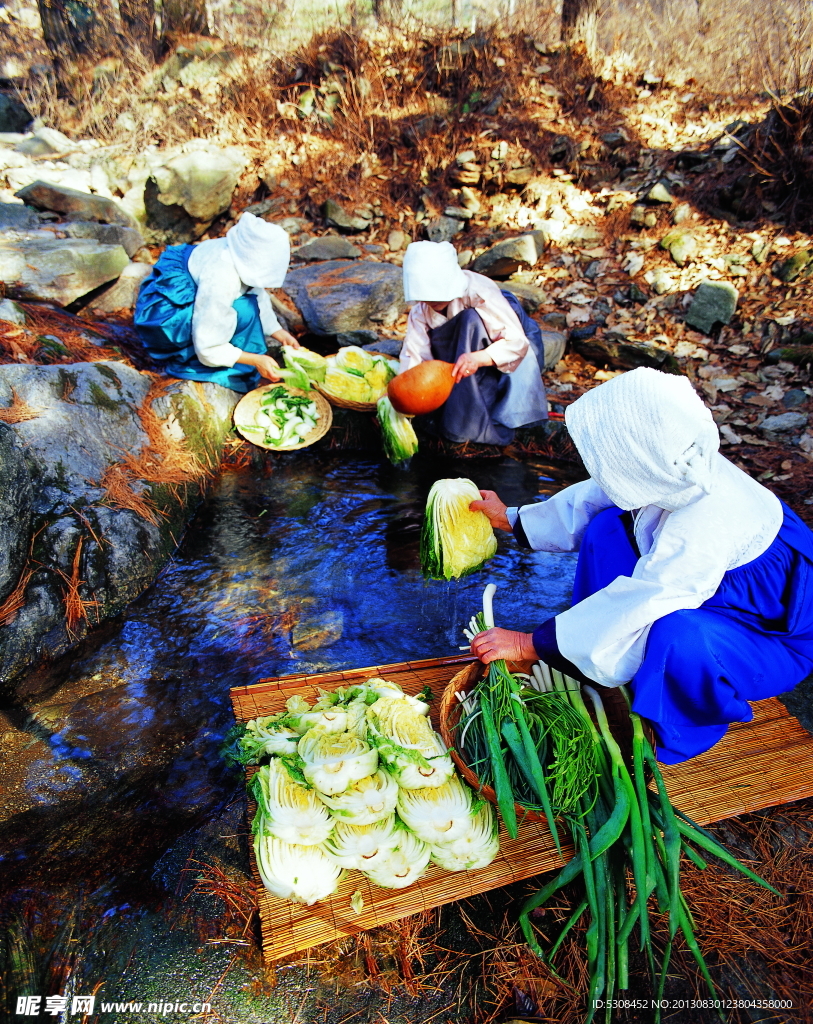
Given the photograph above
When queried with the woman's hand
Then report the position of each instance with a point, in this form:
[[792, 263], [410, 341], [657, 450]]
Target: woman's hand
[[267, 367], [493, 508], [469, 363], [496, 643], [284, 338]]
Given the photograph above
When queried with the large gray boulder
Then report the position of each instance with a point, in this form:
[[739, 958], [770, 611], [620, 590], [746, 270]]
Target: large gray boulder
[[123, 294], [58, 271], [129, 239], [18, 217], [341, 296], [16, 500], [200, 183], [71, 202], [56, 474]]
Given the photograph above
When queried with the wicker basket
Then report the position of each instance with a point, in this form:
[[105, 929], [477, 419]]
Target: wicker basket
[[246, 409], [448, 720], [345, 403]]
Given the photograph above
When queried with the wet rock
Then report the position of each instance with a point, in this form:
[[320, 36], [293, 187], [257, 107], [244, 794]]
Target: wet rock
[[340, 296], [13, 115], [714, 302], [317, 631], [16, 500], [443, 229], [129, 239], [11, 312], [680, 245], [123, 294], [72, 202], [58, 271], [18, 217], [85, 419], [337, 217], [328, 247], [784, 422], [619, 354], [506, 258]]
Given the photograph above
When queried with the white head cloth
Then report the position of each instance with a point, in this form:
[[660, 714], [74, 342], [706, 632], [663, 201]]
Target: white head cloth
[[260, 251], [646, 439], [432, 273]]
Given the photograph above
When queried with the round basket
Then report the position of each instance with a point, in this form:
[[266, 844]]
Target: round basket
[[246, 409], [449, 720], [345, 403]]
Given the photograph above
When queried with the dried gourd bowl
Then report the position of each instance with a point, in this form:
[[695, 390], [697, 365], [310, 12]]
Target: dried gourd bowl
[[248, 406], [450, 712]]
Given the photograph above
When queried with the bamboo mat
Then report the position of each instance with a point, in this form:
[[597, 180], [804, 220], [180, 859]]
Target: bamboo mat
[[758, 764]]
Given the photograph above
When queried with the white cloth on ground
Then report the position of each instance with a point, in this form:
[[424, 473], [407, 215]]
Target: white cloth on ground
[[214, 319], [650, 447], [509, 345]]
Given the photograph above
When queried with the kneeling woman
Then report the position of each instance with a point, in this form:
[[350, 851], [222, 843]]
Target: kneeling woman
[[204, 314], [464, 318], [694, 582]]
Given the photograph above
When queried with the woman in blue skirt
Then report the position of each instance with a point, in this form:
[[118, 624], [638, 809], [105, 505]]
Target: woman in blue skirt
[[694, 582], [205, 314], [464, 318]]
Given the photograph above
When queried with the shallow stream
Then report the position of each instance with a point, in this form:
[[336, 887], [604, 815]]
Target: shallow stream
[[306, 564]]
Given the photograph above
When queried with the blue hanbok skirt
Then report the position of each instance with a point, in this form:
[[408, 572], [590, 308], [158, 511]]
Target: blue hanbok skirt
[[489, 405], [163, 316], [753, 639]]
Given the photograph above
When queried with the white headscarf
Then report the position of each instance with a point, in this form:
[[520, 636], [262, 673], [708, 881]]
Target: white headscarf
[[260, 251], [646, 439], [432, 273]]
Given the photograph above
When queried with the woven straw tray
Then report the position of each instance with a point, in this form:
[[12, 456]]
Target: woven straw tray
[[246, 409], [758, 764]]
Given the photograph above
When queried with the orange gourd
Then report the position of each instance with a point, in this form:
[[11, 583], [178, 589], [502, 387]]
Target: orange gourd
[[421, 389]]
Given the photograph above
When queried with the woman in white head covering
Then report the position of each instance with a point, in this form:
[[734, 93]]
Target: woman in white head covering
[[464, 318], [205, 314], [694, 582]]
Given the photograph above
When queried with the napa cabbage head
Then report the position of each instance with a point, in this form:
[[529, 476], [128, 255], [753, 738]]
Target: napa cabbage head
[[397, 433], [407, 745], [288, 810], [476, 848], [362, 846], [454, 540], [302, 874], [437, 814], [402, 865], [333, 761], [366, 801]]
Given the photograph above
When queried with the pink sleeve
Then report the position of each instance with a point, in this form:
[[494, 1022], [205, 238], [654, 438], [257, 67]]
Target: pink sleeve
[[416, 348], [508, 342]]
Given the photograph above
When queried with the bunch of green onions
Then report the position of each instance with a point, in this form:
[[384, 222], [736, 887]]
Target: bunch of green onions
[[623, 830]]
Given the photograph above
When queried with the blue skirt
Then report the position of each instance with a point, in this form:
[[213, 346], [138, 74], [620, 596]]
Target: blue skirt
[[751, 640], [163, 315]]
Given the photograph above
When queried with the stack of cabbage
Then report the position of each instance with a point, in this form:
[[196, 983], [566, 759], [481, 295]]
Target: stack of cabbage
[[359, 780], [358, 376]]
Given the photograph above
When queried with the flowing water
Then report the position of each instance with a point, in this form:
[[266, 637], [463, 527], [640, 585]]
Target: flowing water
[[307, 564]]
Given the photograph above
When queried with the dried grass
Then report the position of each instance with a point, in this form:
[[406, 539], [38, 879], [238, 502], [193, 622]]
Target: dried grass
[[16, 599], [164, 459], [19, 411]]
